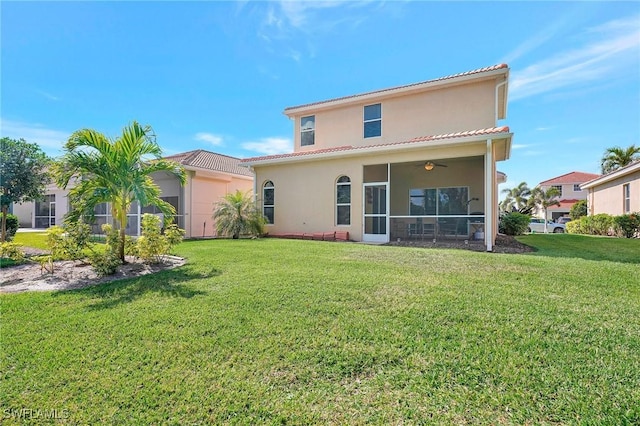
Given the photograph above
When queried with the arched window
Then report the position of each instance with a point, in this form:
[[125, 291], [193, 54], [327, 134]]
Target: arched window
[[268, 201], [343, 201]]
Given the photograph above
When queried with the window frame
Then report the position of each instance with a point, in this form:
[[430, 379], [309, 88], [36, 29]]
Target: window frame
[[626, 198], [268, 185], [576, 187], [366, 121], [311, 131], [559, 188], [343, 183]]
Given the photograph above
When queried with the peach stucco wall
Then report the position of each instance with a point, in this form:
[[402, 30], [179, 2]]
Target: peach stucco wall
[[202, 191], [608, 197], [452, 109], [306, 203]]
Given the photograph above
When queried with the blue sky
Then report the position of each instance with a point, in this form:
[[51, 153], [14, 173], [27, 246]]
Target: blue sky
[[217, 75]]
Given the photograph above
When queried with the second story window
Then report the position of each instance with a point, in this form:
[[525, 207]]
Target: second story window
[[576, 187], [559, 188], [373, 120], [308, 130]]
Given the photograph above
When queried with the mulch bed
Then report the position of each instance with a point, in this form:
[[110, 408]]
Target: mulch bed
[[504, 244]]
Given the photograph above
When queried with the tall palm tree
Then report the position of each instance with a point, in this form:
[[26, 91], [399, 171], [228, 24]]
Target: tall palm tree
[[517, 198], [237, 214], [115, 171], [545, 199], [616, 157]]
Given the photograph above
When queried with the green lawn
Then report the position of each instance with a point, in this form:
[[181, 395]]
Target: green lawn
[[303, 332]]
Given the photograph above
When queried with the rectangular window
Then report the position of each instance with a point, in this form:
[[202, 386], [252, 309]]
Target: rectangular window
[[373, 120], [559, 188], [439, 201], [576, 187], [308, 130], [626, 193]]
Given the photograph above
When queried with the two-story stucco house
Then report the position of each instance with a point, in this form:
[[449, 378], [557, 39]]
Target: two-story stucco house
[[570, 192], [209, 177], [414, 161]]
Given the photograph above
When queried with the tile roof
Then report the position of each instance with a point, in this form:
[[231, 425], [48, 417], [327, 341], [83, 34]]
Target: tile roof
[[564, 204], [573, 177], [480, 132], [449, 77], [202, 159]]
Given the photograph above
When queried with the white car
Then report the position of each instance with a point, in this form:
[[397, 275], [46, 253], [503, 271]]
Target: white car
[[536, 225]]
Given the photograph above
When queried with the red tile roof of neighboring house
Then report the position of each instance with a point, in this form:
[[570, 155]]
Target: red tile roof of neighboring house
[[480, 132], [573, 177], [210, 161], [449, 77], [564, 204]]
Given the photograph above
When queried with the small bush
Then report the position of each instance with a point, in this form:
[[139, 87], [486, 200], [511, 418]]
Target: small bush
[[628, 225], [152, 245], [513, 223], [12, 226], [10, 250], [104, 263], [578, 210], [599, 224]]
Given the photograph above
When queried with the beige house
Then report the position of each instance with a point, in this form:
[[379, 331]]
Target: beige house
[[209, 177], [570, 192], [414, 161], [615, 193]]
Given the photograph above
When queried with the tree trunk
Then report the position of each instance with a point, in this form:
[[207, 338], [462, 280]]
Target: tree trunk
[[3, 237]]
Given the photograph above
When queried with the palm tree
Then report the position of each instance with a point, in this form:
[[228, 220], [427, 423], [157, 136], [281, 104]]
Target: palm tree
[[544, 200], [114, 171], [237, 214], [616, 157], [517, 198]]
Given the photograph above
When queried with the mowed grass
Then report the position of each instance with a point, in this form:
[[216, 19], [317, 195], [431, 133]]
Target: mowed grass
[[303, 332]]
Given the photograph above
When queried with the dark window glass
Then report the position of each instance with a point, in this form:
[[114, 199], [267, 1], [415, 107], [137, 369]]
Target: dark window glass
[[307, 130], [343, 201], [373, 112], [344, 215], [268, 201], [372, 120]]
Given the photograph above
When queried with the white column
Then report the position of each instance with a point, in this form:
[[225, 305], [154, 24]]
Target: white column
[[488, 195]]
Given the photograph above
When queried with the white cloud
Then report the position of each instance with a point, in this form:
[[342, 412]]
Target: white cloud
[[214, 140], [47, 95], [270, 146], [612, 48], [519, 146], [50, 140], [289, 27]]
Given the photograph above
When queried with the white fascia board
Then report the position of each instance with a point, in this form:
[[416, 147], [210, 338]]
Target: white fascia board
[[612, 176]]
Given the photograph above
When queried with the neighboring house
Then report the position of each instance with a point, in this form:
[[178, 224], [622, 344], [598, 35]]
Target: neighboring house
[[570, 192], [209, 177], [405, 162], [615, 193]]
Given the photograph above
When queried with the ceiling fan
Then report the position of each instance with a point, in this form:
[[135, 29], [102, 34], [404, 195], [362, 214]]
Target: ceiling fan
[[430, 165]]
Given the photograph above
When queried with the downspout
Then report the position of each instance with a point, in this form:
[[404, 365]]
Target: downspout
[[488, 195]]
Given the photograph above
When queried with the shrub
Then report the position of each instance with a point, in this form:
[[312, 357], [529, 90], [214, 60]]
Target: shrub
[[628, 225], [11, 251], [105, 263], [513, 223], [578, 210], [152, 245], [12, 226], [599, 224]]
